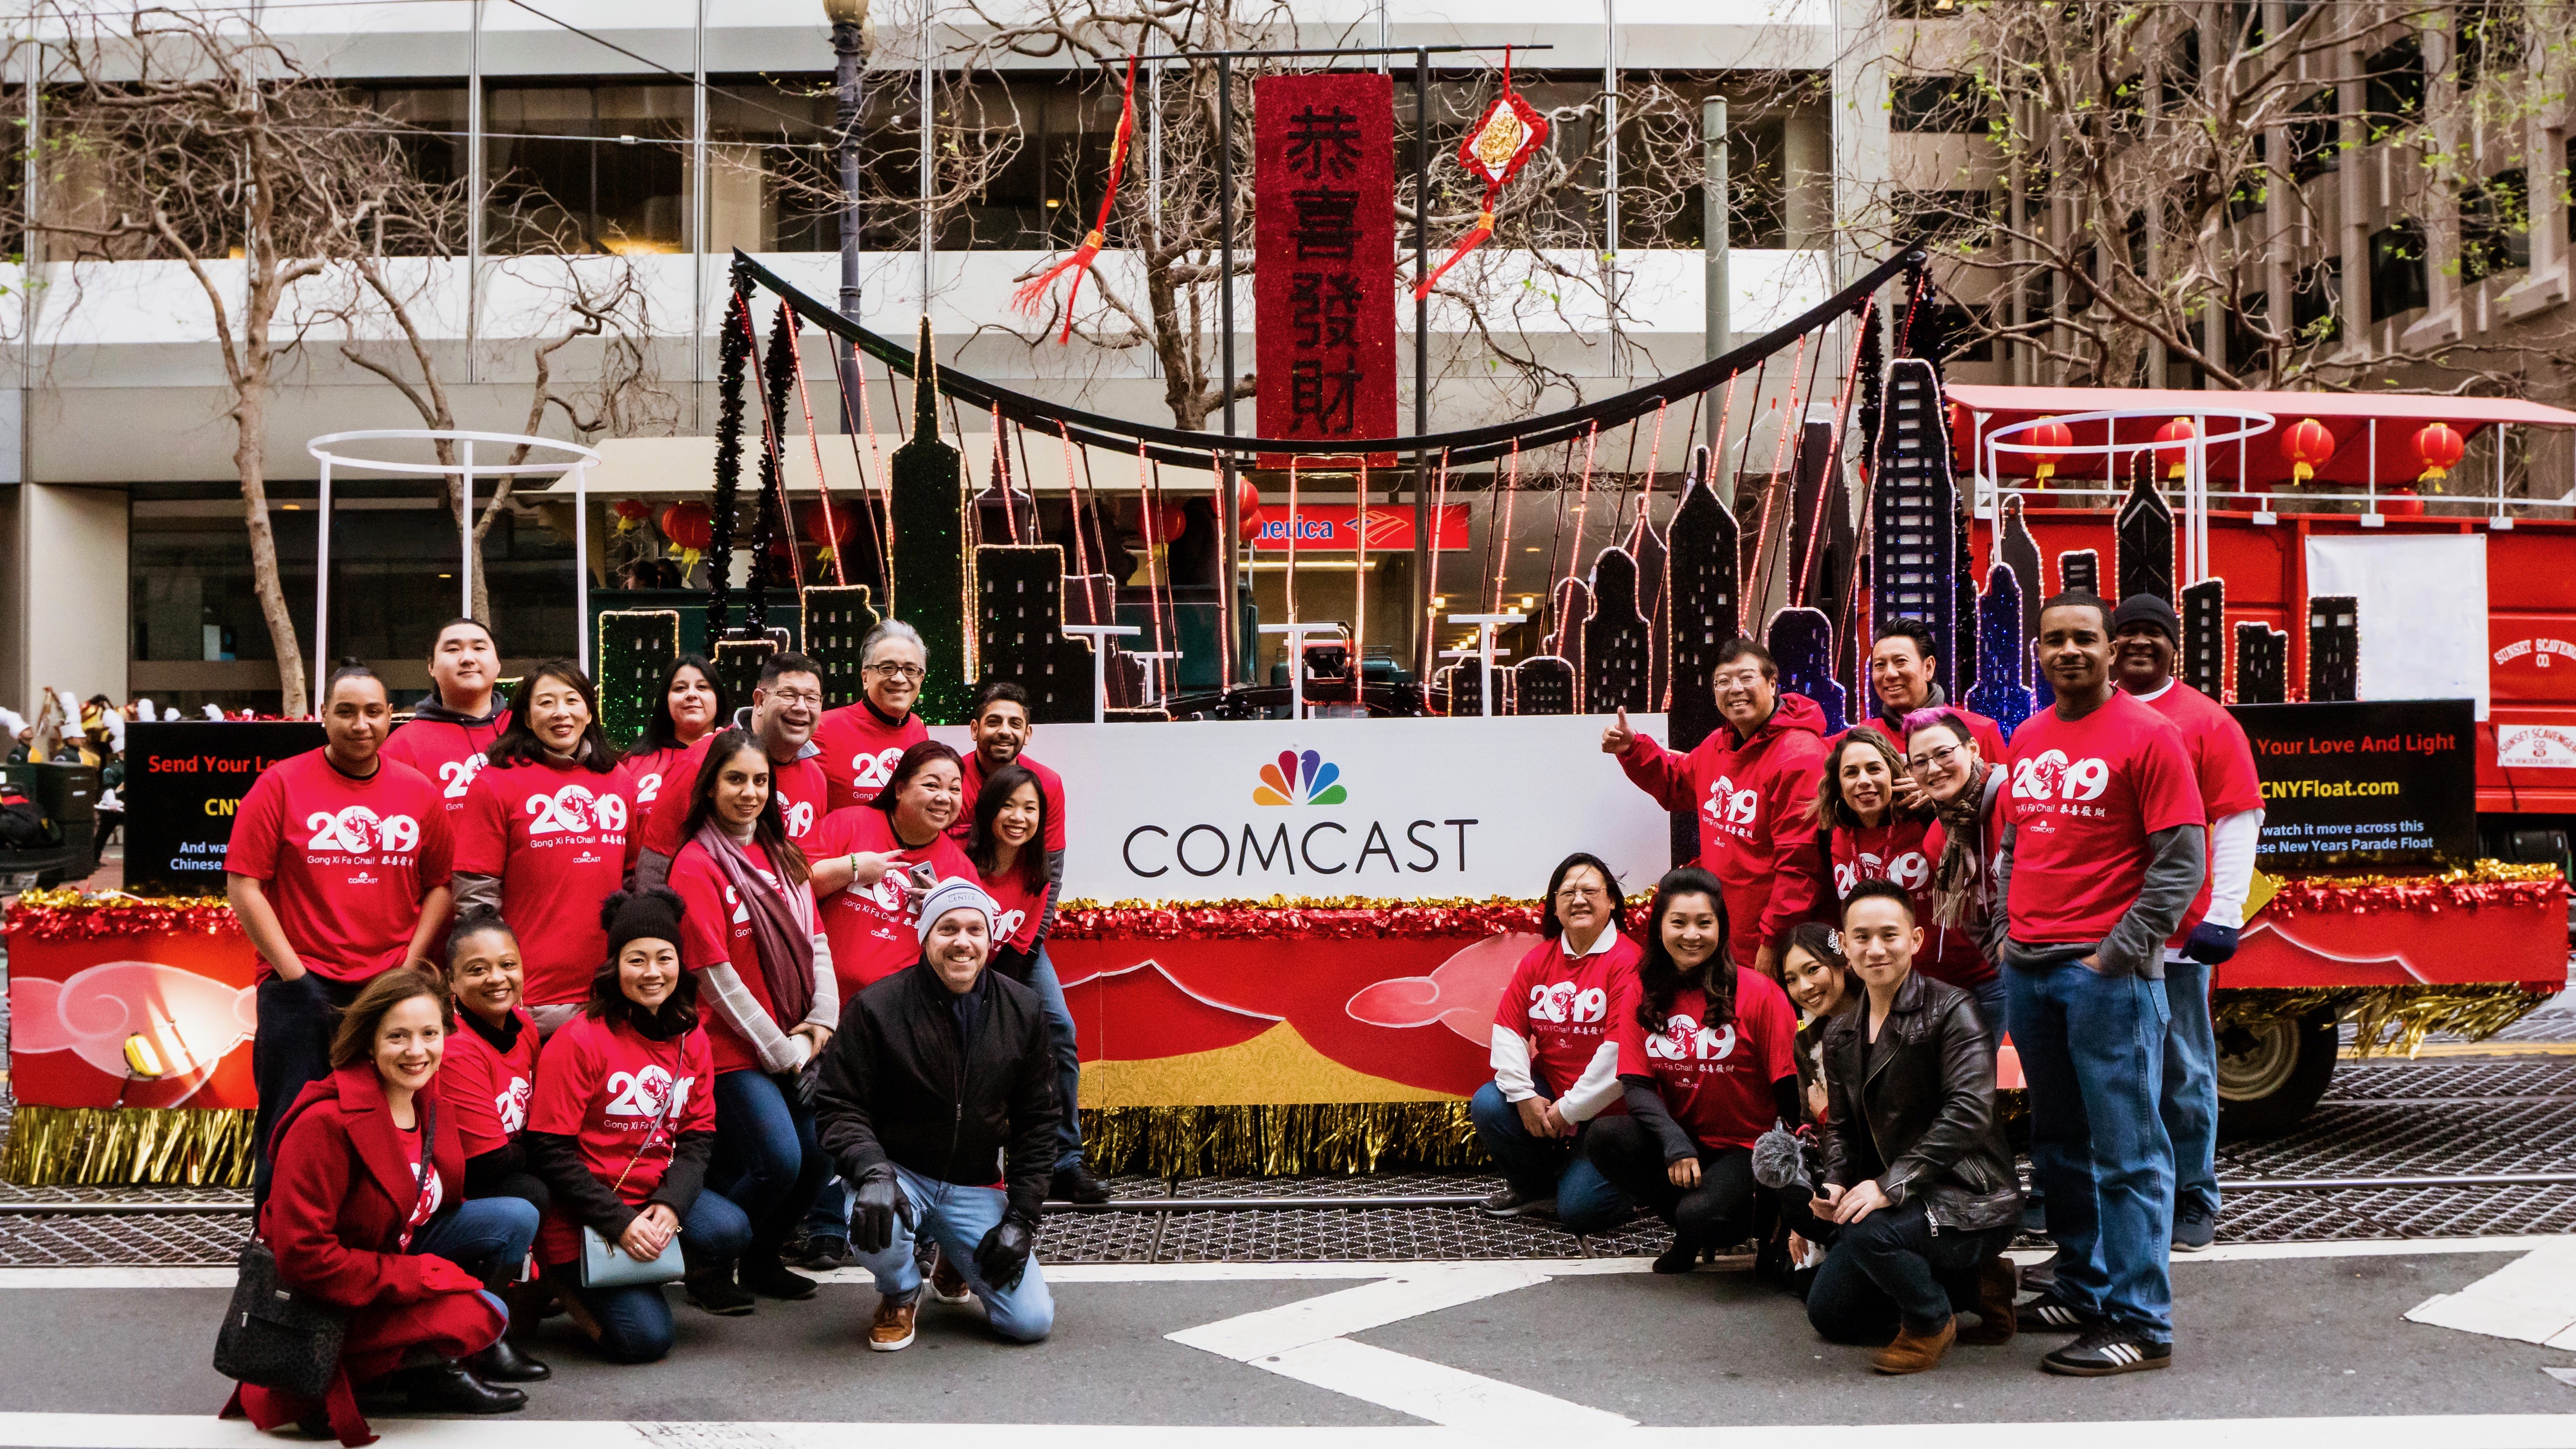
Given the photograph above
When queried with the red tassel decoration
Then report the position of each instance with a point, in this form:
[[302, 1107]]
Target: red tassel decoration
[[1466, 244], [1501, 143], [1032, 294]]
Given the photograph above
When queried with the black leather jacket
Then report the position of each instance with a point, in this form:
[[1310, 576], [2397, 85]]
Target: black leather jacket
[[1916, 1109], [897, 1086]]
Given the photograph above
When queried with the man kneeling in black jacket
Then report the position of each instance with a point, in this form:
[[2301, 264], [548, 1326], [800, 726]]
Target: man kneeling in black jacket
[[938, 1086], [1919, 1199]]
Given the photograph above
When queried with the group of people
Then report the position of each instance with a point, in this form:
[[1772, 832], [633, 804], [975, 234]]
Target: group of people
[[1920, 890], [545, 1025]]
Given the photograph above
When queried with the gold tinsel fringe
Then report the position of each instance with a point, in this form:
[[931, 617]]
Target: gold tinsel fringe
[[2391, 1020], [104, 1146], [1290, 1140]]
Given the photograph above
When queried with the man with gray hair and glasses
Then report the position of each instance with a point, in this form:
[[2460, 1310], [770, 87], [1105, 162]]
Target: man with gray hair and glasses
[[861, 741]]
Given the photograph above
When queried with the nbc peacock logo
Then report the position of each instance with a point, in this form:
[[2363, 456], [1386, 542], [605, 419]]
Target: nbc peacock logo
[[1295, 779]]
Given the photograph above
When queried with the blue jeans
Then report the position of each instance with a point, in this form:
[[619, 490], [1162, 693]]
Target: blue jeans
[[1586, 1202], [2189, 1103], [1068, 1060], [635, 1322], [291, 1048], [1891, 1268], [1990, 1007], [487, 1236], [2093, 1048], [767, 1161], [957, 1218]]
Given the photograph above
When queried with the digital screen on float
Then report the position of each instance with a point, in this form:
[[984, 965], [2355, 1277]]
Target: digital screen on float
[[2372, 782], [183, 782]]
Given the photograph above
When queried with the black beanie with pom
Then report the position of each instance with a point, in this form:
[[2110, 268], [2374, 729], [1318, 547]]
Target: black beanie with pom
[[640, 915]]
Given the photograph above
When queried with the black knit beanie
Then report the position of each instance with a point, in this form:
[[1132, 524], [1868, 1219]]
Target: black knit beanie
[[2147, 609], [640, 915]]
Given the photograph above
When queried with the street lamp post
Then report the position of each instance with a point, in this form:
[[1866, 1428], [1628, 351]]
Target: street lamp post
[[850, 51]]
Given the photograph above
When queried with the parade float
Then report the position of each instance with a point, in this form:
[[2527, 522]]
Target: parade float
[[1295, 888]]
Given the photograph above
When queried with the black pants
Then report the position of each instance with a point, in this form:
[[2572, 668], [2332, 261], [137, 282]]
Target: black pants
[[1890, 1267], [291, 1048], [1716, 1214]]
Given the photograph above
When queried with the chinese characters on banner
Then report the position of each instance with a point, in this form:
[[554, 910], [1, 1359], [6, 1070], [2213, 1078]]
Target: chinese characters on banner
[[1323, 185]]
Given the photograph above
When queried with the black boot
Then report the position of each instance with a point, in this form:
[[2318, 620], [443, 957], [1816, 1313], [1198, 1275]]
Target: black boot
[[502, 1363], [712, 1288], [449, 1387], [1076, 1184], [762, 1273]]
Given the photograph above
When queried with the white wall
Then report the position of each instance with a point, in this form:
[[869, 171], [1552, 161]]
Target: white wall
[[72, 562]]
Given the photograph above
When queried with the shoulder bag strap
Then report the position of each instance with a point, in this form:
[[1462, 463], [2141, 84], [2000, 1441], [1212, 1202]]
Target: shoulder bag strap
[[649, 1134]]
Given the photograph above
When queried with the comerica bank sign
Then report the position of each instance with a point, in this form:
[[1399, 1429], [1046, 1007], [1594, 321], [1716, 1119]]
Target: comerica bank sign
[[1405, 808]]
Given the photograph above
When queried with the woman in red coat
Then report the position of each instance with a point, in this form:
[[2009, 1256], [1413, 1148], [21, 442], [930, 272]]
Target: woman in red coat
[[366, 1213]]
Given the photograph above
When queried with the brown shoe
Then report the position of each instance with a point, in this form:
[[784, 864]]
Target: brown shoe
[[946, 1283], [1912, 1353], [893, 1327], [1997, 1283]]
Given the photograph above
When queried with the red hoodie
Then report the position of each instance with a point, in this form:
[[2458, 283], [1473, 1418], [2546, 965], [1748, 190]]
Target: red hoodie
[[1752, 799]]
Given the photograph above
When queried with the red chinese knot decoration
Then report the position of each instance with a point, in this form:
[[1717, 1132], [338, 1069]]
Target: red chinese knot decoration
[[1502, 141], [2439, 448], [1323, 284], [2306, 446]]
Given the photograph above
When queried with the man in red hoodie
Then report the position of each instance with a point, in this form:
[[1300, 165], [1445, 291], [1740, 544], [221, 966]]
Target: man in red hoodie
[[1753, 783]]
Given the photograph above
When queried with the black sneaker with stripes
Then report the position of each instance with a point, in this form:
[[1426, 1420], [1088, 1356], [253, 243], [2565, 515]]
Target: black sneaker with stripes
[[2109, 1349], [2049, 1313]]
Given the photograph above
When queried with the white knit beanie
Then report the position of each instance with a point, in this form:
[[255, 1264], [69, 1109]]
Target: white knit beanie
[[957, 893]]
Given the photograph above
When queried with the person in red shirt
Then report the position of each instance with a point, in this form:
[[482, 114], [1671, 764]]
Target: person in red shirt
[[623, 1127], [491, 1067], [1706, 1064], [1556, 1068], [860, 742], [765, 971], [338, 870], [547, 834], [451, 732], [1874, 835], [2145, 633], [1820, 984], [1014, 815], [690, 704], [368, 1218], [1752, 783], [2103, 850], [1001, 729], [784, 706], [1904, 670]]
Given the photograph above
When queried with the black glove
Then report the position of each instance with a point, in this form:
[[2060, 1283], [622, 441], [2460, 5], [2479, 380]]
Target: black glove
[[881, 1203], [1004, 1254], [2210, 943]]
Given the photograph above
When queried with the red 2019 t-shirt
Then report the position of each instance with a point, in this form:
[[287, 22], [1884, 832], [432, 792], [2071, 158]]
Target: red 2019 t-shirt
[[449, 755], [2222, 764], [1905, 850], [344, 862], [715, 929], [650, 769], [1050, 784], [872, 928], [485, 1089], [558, 837], [799, 787], [860, 751], [603, 1086], [2083, 797], [1566, 1007], [1023, 909], [1716, 1080]]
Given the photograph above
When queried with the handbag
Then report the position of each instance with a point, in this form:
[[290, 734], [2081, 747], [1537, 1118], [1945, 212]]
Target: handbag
[[604, 1265], [278, 1338]]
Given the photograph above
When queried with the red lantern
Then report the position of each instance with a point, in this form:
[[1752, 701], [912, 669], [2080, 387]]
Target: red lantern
[[1167, 519], [690, 527], [631, 513], [2305, 447], [2169, 449], [2052, 435], [822, 529], [2440, 450], [1247, 507]]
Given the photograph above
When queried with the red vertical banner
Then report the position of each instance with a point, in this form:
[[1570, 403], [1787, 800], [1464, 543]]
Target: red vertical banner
[[1323, 277]]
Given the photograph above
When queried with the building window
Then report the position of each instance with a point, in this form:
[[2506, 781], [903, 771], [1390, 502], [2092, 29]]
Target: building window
[[2314, 302], [2397, 270], [1940, 103], [2495, 226], [1944, 218], [2393, 89]]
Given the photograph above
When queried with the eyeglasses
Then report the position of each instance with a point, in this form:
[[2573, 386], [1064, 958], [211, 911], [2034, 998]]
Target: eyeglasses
[[1736, 679], [889, 670], [1571, 894], [797, 696], [1937, 760]]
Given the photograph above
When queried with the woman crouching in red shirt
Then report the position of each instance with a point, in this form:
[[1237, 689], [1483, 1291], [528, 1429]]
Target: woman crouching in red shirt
[[1707, 1065], [622, 1129], [490, 1074], [366, 1213]]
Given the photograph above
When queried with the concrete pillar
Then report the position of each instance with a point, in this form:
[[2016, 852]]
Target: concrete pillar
[[70, 602]]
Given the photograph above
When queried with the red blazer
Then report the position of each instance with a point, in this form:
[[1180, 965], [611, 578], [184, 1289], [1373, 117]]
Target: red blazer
[[341, 1191]]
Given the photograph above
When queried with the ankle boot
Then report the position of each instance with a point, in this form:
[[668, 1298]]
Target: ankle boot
[[1997, 1283], [502, 1363], [1913, 1352], [449, 1387], [712, 1288]]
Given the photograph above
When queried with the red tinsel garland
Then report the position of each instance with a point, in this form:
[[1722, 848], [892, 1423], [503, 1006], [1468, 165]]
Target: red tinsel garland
[[2426, 895], [1338, 918], [69, 915]]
